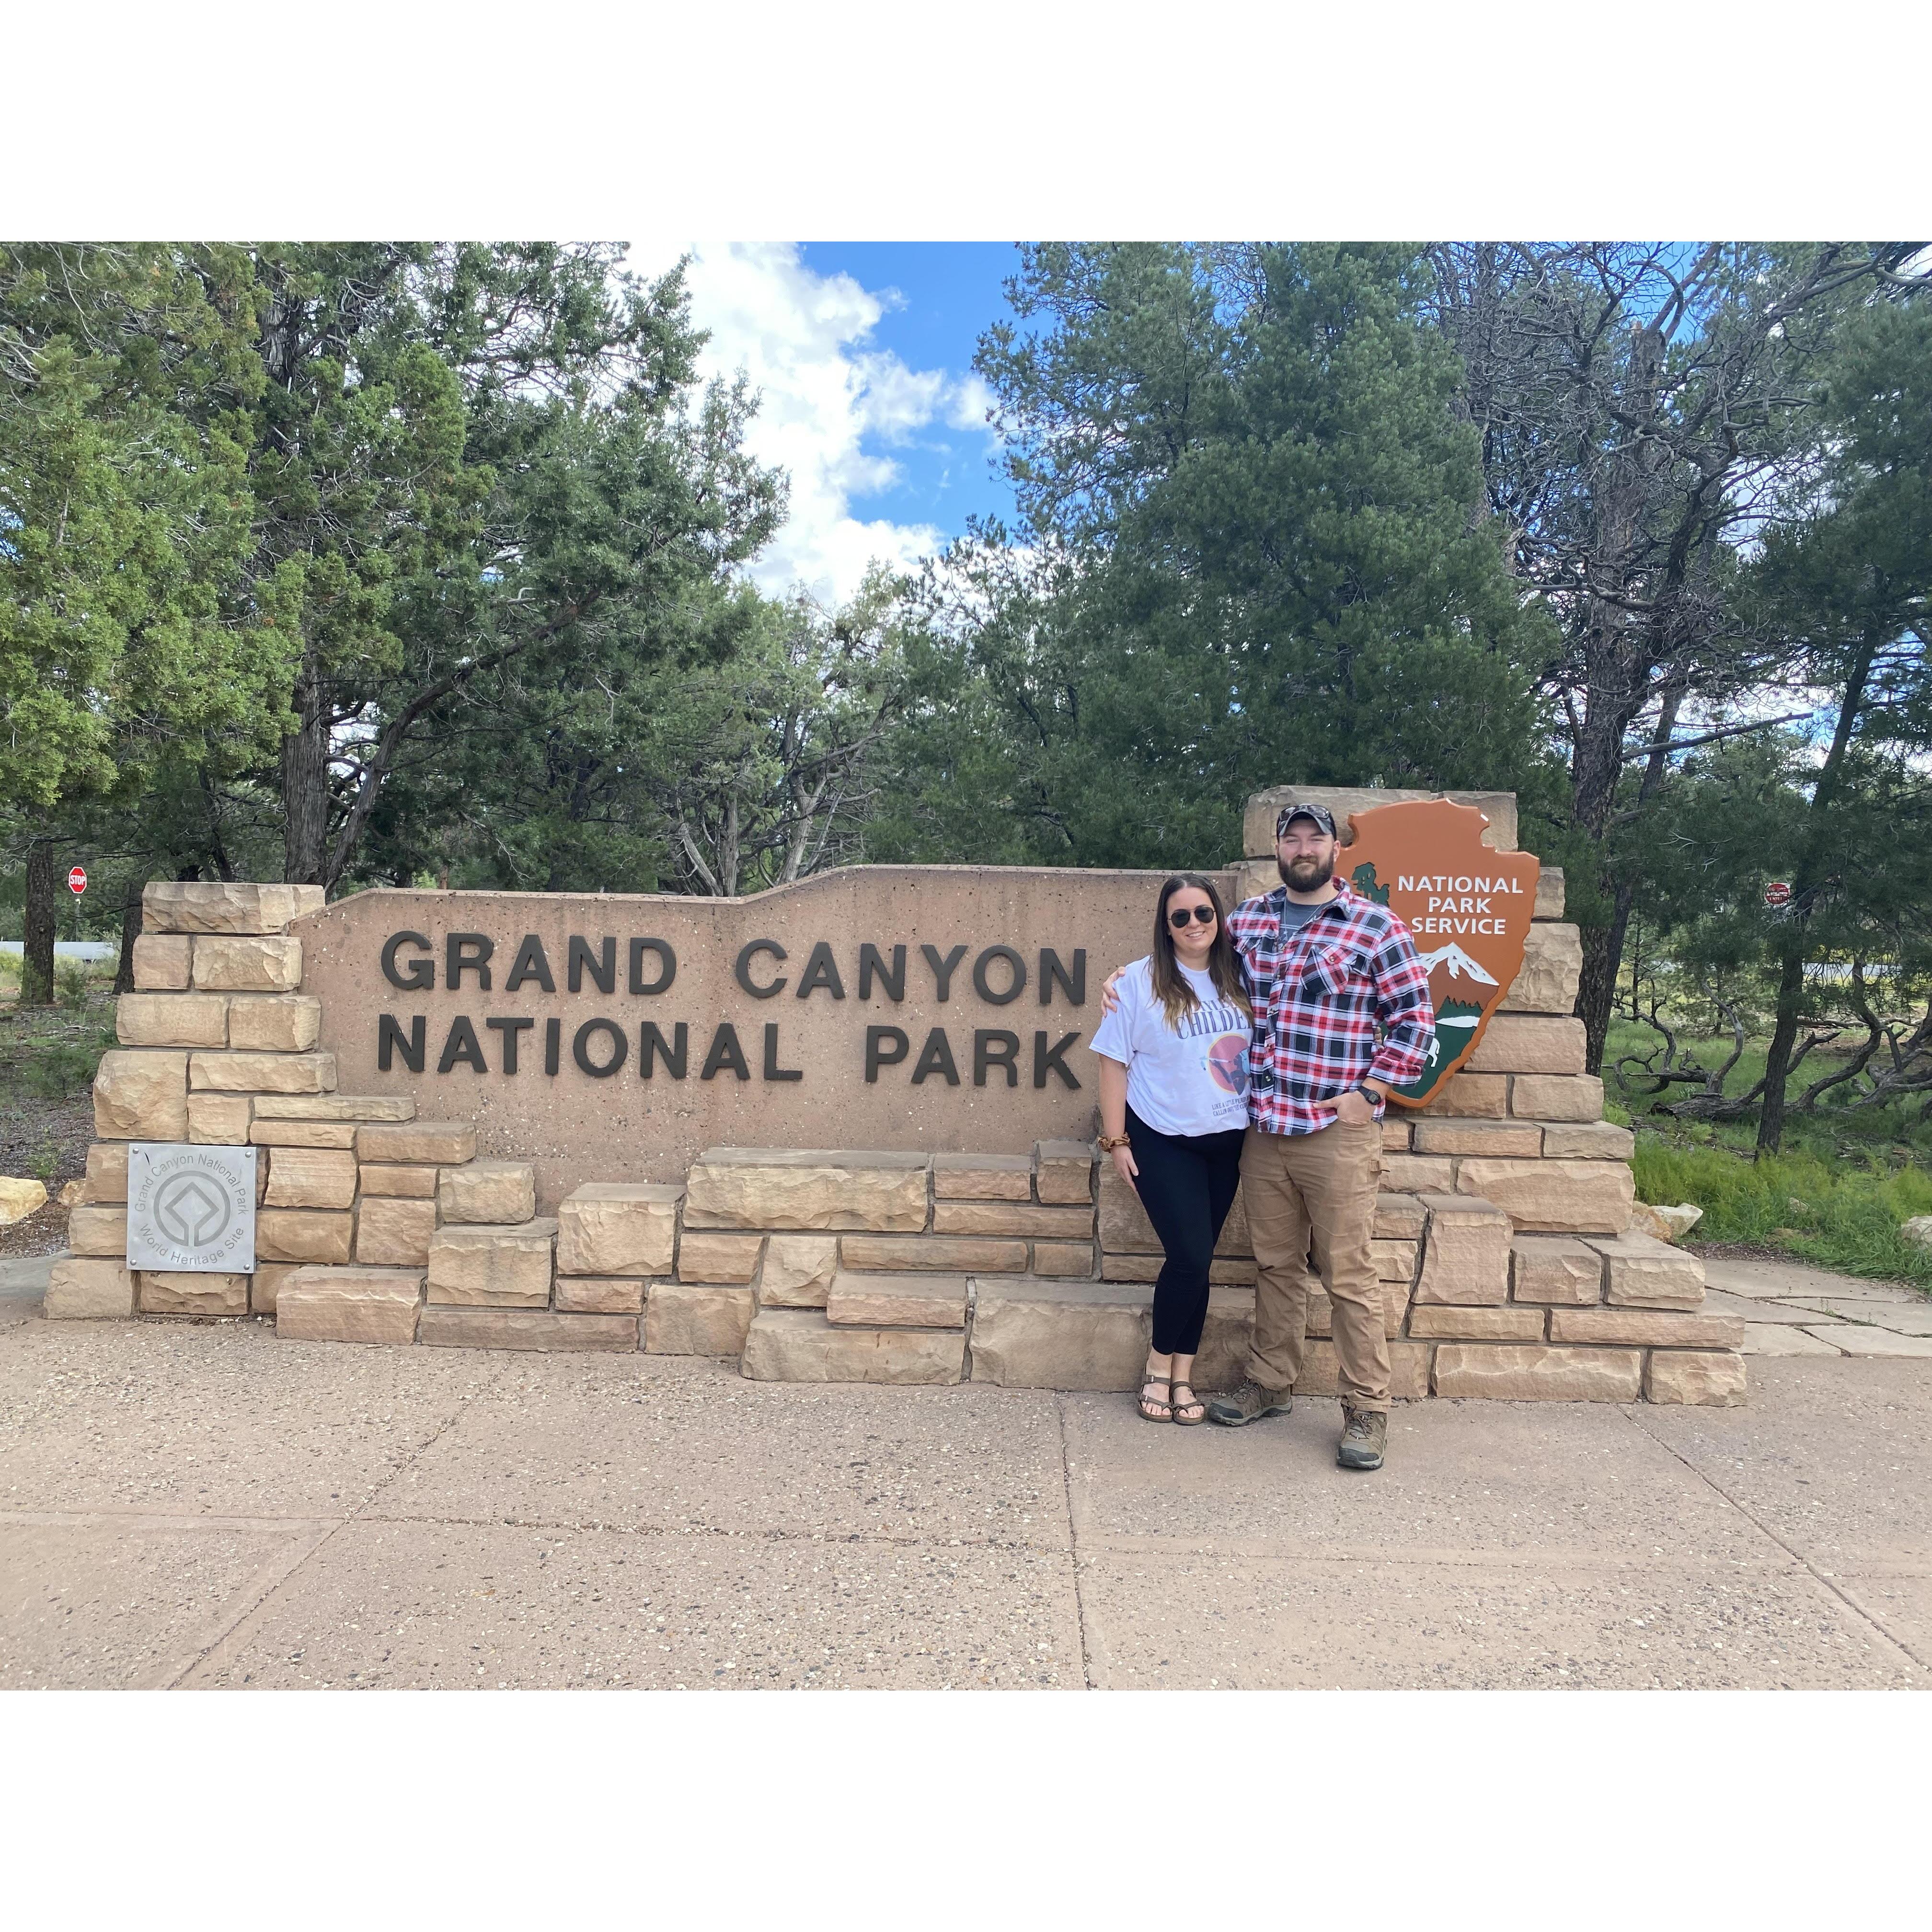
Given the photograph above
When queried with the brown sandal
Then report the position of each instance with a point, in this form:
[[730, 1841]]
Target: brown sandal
[[1152, 1407], [1176, 1406]]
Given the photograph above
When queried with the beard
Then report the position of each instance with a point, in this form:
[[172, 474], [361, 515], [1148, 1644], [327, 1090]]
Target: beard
[[1304, 874]]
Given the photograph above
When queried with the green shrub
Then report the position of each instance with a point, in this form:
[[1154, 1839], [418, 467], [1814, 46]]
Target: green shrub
[[70, 984], [1843, 1215]]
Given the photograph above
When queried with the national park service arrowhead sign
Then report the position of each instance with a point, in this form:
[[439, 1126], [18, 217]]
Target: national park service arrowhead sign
[[1469, 908]]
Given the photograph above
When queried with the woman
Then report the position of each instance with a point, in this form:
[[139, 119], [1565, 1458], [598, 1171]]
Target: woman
[[1174, 1112]]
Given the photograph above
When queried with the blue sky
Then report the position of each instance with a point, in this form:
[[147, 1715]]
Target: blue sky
[[862, 354]]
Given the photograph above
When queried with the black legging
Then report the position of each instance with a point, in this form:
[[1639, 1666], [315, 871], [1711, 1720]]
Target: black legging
[[1187, 1183]]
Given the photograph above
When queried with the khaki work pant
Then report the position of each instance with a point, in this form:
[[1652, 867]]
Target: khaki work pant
[[1322, 1185]]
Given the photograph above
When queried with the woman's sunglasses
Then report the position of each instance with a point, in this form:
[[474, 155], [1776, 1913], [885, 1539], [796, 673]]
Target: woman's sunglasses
[[1178, 920]]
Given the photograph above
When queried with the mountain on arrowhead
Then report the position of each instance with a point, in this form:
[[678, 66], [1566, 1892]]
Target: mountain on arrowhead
[[1451, 972]]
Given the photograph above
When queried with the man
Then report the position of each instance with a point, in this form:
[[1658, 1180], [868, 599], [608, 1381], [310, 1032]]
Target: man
[[1326, 969]]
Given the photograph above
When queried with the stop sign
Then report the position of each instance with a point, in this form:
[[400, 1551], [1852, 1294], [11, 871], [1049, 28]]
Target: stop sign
[[77, 880], [1777, 893]]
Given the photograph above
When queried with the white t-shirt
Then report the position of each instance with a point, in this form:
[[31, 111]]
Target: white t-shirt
[[1193, 1081]]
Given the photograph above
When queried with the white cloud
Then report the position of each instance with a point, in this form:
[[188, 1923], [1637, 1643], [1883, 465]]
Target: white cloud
[[803, 339]]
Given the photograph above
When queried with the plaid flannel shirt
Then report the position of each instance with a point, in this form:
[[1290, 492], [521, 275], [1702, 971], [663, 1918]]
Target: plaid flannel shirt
[[1319, 1000]]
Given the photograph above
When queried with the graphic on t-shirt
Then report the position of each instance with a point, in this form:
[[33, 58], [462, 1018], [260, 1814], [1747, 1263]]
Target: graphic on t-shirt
[[1228, 1062]]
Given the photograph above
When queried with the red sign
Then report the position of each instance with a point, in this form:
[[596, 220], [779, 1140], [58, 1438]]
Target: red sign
[[1777, 893], [77, 880]]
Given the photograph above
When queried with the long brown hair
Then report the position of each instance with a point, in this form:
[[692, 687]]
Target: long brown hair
[[1170, 985]]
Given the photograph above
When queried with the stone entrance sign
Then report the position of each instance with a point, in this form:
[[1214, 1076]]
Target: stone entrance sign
[[938, 1009], [191, 1210]]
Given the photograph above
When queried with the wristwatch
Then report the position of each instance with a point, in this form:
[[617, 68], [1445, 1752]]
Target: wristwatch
[[1107, 1142]]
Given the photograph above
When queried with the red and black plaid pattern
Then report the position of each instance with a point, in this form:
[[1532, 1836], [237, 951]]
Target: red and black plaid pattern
[[1319, 1001]]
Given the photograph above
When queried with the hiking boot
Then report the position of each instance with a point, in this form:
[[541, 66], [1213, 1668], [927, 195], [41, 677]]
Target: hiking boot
[[1248, 1403], [1364, 1437]]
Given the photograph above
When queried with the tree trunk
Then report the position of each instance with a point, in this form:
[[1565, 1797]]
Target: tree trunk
[[1805, 888], [36, 955], [305, 787], [130, 930]]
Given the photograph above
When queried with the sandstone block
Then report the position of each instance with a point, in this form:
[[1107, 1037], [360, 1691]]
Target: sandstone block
[[799, 1270], [1227, 1338], [1564, 1197], [101, 1232], [414, 1143], [1399, 1217], [414, 1183], [1064, 1171], [799, 1345], [1505, 1372], [1465, 1254], [541, 1329], [162, 962], [1557, 1097], [89, 1290], [1417, 1174], [1073, 1258], [268, 965], [350, 1107], [311, 1177], [303, 1234], [1478, 1324], [1264, 807], [1554, 1268], [1587, 1140], [1548, 893], [787, 1188], [349, 1304], [106, 1171], [982, 1177], [1011, 1217], [1552, 962], [612, 1227], [1224, 1271], [394, 1231], [265, 1284], [262, 1072], [1398, 1134], [498, 1193], [167, 1292], [219, 1119], [1642, 1272], [337, 1134], [1502, 1138], [141, 1094], [1068, 1335], [1470, 1096], [705, 1257], [945, 1253], [1395, 1260], [274, 1022], [896, 1301], [172, 1019], [600, 1294], [683, 1318], [1396, 1307], [20, 1196], [483, 1267], [1646, 1328], [1716, 1382], [1529, 1043], [224, 906]]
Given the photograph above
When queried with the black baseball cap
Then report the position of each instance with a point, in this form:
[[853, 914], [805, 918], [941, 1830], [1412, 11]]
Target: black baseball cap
[[1320, 814]]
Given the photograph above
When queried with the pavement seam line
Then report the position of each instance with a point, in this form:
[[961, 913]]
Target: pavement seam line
[[1073, 1544], [1827, 1583], [226, 1640]]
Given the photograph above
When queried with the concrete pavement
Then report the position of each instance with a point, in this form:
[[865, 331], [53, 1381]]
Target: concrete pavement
[[189, 1505]]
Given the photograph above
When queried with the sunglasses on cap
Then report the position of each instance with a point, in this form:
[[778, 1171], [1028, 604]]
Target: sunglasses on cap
[[1179, 917], [1319, 814]]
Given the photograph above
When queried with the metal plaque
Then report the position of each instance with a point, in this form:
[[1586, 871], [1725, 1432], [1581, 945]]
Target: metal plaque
[[191, 1210]]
